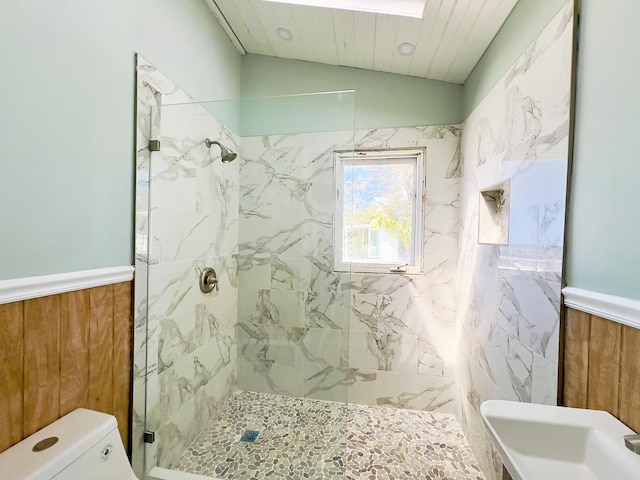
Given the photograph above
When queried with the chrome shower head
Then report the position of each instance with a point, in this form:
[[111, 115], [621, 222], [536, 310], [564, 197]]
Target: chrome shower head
[[226, 154]]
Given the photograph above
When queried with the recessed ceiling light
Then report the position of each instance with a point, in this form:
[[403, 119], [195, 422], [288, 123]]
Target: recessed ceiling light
[[403, 8], [406, 49], [284, 34]]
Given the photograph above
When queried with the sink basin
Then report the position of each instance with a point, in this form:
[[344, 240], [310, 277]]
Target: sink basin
[[543, 442]]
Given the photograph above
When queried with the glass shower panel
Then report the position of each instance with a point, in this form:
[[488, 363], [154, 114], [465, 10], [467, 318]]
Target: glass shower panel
[[254, 372], [193, 226]]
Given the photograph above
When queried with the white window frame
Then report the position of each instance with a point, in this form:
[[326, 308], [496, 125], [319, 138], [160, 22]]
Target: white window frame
[[372, 157]]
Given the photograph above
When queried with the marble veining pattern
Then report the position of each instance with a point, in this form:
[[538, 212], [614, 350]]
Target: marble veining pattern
[[302, 330], [306, 438], [380, 339], [186, 219], [509, 296]]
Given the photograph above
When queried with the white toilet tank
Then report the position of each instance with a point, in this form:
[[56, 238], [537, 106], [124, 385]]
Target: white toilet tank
[[88, 447]]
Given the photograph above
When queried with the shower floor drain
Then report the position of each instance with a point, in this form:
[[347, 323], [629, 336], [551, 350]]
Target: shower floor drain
[[249, 436]]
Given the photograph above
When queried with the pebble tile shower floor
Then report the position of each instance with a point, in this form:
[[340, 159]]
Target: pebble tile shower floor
[[303, 438]]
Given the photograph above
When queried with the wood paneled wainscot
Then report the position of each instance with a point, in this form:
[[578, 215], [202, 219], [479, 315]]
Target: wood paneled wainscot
[[62, 352], [602, 366]]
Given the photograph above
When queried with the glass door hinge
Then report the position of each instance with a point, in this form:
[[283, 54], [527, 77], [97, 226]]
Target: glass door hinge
[[149, 437]]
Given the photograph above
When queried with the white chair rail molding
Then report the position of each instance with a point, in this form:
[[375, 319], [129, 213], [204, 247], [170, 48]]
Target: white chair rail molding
[[18, 289], [618, 309]]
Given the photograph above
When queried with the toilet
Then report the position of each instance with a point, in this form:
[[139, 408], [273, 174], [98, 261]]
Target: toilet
[[82, 445]]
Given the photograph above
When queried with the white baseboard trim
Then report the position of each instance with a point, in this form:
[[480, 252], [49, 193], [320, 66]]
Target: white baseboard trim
[[618, 309], [33, 287]]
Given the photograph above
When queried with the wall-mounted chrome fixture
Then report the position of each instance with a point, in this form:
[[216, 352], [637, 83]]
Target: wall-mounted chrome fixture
[[227, 155], [208, 280]]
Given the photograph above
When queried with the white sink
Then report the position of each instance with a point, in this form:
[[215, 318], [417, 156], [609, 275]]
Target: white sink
[[542, 442]]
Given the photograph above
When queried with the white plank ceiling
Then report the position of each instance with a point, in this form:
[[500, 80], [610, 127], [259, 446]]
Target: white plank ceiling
[[449, 40]]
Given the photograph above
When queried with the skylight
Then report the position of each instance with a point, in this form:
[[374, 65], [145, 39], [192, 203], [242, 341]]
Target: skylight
[[403, 8]]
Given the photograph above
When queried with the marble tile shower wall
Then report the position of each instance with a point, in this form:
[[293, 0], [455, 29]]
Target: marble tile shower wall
[[509, 297], [305, 330], [189, 340]]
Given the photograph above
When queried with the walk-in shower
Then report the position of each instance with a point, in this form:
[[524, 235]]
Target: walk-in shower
[[293, 368], [290, 368], [257, 357]]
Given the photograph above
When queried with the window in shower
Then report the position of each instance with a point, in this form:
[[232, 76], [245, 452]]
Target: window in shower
[[378, 211]]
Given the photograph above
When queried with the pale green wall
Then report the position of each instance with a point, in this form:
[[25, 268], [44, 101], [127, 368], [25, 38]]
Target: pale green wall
[[388, 100], [527, 19], [382, 99], [66, 127], [294, 114], [604, 214]]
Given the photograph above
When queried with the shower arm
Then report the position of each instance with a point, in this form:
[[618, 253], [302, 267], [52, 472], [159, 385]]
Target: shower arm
[[226, 154]]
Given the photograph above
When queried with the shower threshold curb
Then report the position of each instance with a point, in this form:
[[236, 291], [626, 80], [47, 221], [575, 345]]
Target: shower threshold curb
[[158, 473]]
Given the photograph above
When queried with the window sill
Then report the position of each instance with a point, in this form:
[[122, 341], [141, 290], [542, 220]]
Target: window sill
[[379, 270]]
